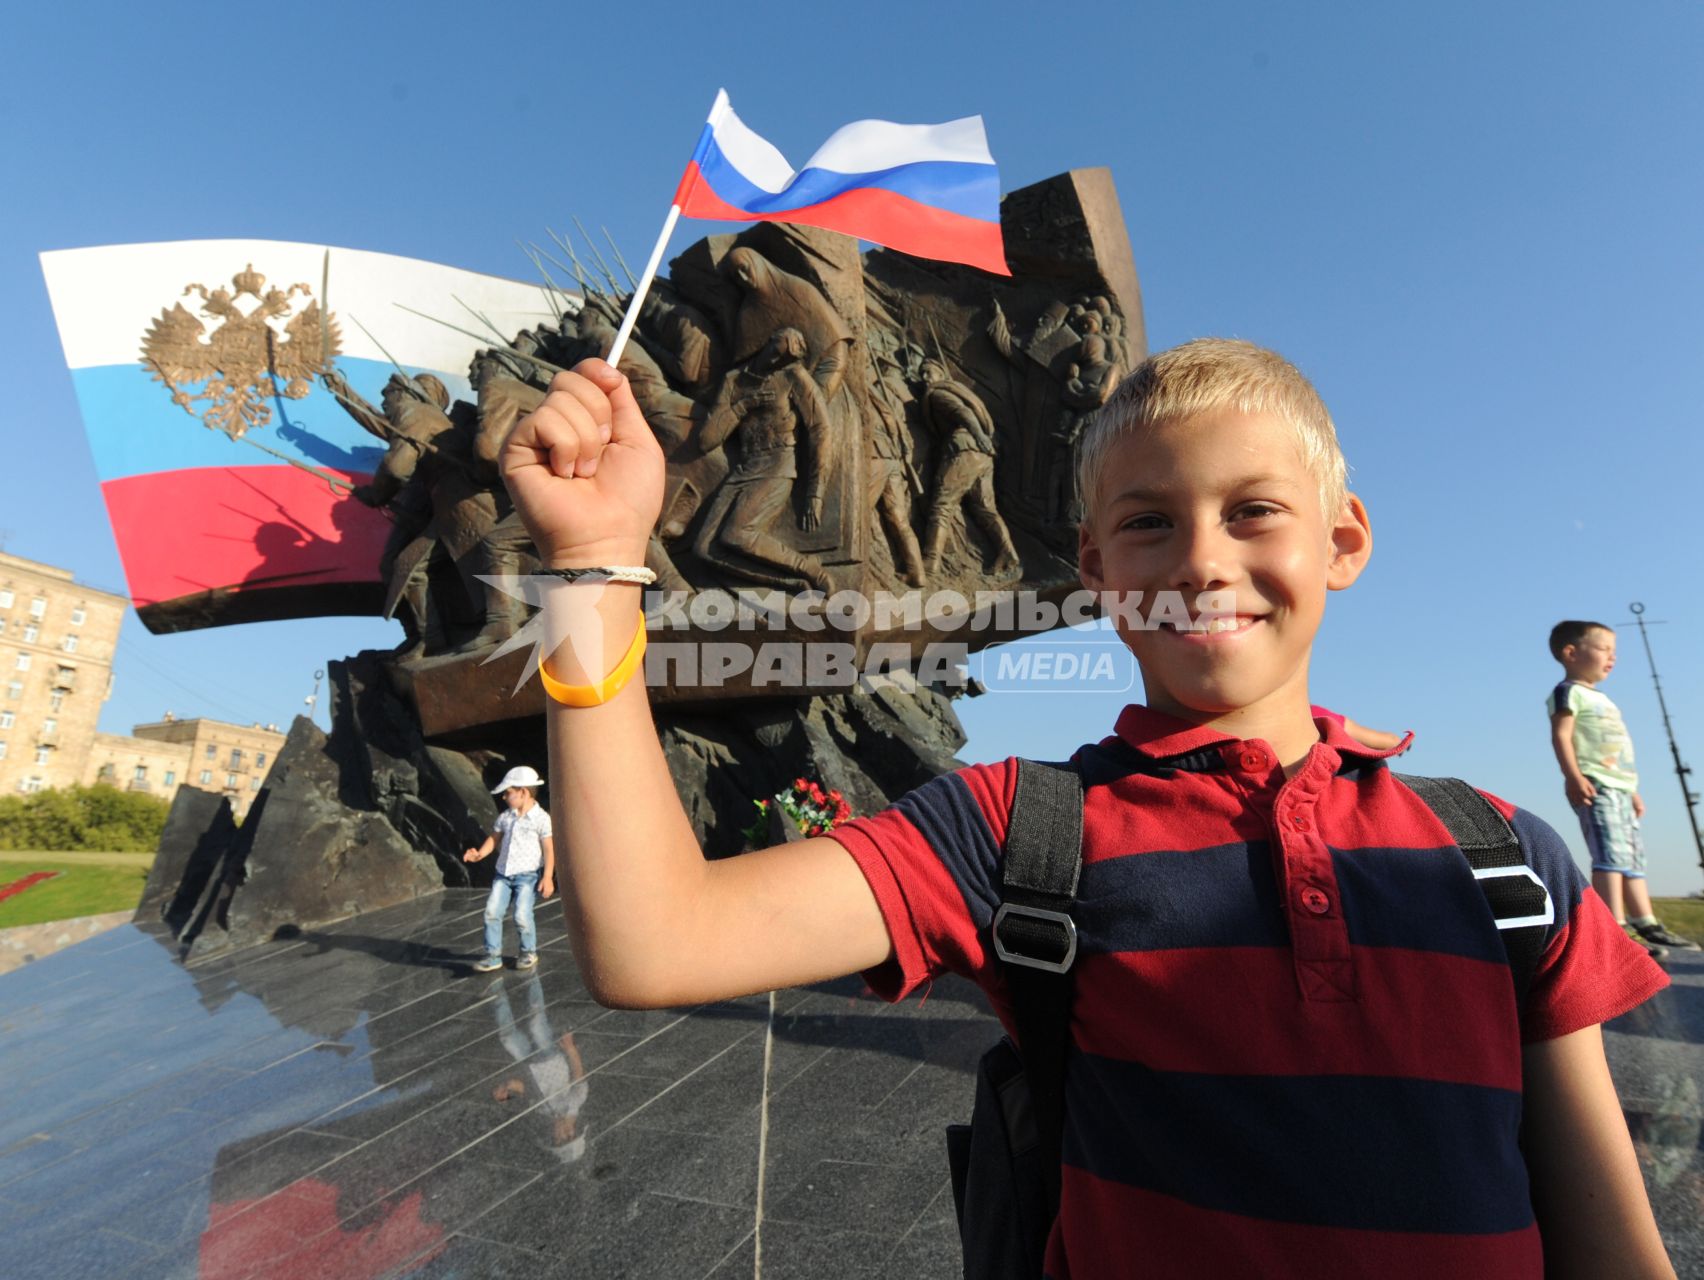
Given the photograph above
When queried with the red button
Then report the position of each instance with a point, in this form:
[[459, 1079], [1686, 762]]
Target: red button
[[1299, 823], [1252, 760], [1315, 901]]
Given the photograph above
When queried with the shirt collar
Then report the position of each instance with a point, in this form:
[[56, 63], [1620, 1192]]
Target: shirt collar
[[1159, 736]]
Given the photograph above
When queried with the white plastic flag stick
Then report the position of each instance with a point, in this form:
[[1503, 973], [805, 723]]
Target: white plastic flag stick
[[643, 287], [717, 108]]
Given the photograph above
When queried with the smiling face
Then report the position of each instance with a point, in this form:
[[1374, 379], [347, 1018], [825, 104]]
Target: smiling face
[[1222, 503]]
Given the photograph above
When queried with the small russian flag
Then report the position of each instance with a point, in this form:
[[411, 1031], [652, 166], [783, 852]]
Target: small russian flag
[[930, 190]]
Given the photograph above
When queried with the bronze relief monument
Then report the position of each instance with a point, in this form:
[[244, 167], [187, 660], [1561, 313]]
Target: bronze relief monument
[[838, 427]]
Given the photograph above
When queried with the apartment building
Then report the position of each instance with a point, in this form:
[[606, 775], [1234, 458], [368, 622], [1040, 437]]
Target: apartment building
[[214, 755], [57, 637], [138, 764]]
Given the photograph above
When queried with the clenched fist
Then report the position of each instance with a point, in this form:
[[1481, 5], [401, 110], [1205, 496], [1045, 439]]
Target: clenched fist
[[585, 471]]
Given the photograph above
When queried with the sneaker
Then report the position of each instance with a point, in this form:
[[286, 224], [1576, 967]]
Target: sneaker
[[1656, 933], [528, 960], [488, 964], [1652, 949]]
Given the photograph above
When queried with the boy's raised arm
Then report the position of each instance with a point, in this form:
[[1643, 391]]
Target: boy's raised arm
[[1586, 1186], [652, 923]]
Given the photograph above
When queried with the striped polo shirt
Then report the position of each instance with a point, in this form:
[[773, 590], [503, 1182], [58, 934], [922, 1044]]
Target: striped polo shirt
[[1295, 1050]]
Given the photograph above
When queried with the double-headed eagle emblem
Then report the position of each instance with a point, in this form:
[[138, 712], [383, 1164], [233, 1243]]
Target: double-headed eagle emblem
[[272, 349]]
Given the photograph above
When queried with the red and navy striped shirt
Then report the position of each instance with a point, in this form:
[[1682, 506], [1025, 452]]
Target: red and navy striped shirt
[[1295, 1049]]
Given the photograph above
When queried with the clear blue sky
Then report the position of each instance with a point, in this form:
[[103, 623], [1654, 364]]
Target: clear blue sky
[[1475, 226]]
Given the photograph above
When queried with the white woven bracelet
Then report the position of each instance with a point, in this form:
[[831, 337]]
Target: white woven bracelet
[[639, 575]]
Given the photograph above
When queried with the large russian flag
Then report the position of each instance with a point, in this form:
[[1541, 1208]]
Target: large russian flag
[[210, 529], [930, 190]]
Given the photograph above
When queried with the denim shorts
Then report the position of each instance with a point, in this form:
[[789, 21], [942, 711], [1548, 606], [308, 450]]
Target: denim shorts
[[1612, 833]]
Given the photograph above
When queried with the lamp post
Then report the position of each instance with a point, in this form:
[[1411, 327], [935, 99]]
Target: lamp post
[[1681, 768], [312, 700]]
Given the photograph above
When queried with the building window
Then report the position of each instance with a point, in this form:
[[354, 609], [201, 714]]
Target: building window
[[6, 719], [141, 774], [67, 677], [38, 607], [78, 615], [43, 755], [212, 750], [2, 750], [254, 784], [23, 663], [260, 759], [31, 785], [69, 644], [206, 776], [236, 757], [55, 700], [14, 690], [5, 597], [31, 631], [49, 725], [231, 780], [171, 776]]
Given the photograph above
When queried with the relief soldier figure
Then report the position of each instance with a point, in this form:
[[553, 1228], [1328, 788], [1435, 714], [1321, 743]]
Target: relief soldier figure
[[774, 300], [408, 436], [964, 475], [430, 480], [504, 396], [1090, 379], [893, 480], [773, 410], [681, 339]]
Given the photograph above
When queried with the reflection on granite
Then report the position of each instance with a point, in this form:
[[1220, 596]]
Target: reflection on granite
[[1656, 1054], [355, 1102]]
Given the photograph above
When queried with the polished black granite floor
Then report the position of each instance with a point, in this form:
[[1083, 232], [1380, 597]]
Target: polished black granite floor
[[354, 1102]]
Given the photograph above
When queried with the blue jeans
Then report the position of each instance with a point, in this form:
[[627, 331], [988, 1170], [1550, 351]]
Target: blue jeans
[[524, 888]]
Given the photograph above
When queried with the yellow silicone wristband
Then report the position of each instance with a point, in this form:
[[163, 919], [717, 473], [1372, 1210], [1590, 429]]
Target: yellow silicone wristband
[[590, 695]]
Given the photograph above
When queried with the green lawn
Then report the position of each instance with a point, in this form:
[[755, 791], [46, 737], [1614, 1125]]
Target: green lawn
[[1684, 915], [83, 890]]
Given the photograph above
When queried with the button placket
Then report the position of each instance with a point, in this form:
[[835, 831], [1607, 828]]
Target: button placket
[[1319, 934]]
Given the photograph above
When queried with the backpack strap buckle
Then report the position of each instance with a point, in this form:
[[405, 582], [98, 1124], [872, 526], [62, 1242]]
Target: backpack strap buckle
[[1510, 897], [1035, 937]]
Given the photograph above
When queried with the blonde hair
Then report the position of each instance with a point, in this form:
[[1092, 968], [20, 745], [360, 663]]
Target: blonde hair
[[1205, 375]]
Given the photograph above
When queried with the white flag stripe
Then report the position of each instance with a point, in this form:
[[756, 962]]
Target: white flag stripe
[[864, 146], [754, 156], [869, 146], [106, 298]]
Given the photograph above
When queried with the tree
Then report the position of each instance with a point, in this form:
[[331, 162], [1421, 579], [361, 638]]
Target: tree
[[99, 819]]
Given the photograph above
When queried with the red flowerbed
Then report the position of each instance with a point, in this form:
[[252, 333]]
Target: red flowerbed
[[18, 886]]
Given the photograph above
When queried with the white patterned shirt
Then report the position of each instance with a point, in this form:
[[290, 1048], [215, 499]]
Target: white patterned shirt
[[1601, 743], [518, 835]]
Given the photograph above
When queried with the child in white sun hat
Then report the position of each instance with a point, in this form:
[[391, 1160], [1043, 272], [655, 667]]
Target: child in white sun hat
[[526, 866]]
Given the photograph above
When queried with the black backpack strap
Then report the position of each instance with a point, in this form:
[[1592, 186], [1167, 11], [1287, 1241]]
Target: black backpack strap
[[1518, 898], [1036, 939]]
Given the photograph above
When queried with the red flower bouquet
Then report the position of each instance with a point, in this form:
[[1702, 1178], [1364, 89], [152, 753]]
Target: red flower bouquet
[[814, 810]]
